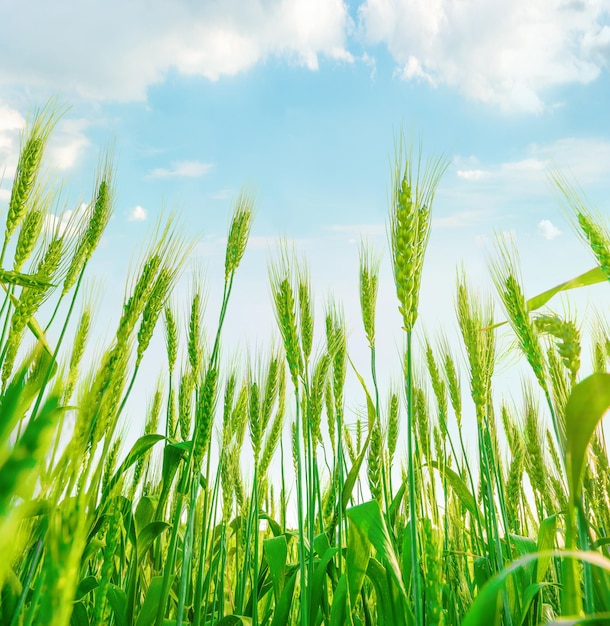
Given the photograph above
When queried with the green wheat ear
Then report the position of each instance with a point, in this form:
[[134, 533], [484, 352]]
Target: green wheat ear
[[28, 165], [590, 225], [31, 228], [369, 283], [152, 310], [413, 189], [281, 278], [506, 277], [239, 232], [305, 311], [195, 349], [475, 319], [171, 336]]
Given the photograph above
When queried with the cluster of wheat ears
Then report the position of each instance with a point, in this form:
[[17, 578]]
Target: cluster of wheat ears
[[190, 526]]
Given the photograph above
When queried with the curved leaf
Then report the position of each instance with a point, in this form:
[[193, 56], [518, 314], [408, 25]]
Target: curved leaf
[[356, 561], [546, 542], [592, 277], [148, 534], [282, 608], [276, 553], [528, 597], [338, 611], [235, 620], [117, 599], [140, 448], [484, 609], [587, 404], [318, 582], [599, 619], [459, 487], [369, 519], [148, 613]]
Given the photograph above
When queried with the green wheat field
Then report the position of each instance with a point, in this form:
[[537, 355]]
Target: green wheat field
[[247, 500]]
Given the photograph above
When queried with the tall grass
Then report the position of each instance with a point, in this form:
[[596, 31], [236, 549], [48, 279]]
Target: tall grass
[[247, 498]]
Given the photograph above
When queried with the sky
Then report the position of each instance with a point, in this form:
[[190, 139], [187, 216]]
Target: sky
[[301, 102]]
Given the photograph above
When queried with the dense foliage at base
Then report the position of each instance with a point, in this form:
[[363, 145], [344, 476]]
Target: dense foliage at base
[[253, 496]]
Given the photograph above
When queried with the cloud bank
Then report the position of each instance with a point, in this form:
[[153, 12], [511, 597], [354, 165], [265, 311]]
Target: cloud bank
[[508, 52], [115, 50]]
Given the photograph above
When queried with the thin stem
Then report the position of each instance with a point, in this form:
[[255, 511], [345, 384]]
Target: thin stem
[[417, 595], [304, 605]]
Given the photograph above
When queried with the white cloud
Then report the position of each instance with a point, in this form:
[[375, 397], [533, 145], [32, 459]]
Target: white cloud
[[11, 123], [185, 169], [548, 230], [115, 50], [472, 174], [10, 119], [138, 214], [5, 195], [506, 52], [67, 143], [413, 69]]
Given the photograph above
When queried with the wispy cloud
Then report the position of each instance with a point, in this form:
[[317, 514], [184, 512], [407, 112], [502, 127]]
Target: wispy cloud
[[138, 214], [370, 62], [507, 53], [585, 158], [460, 219], [182, 169], [356, 231], [548, 230], [222, 194]]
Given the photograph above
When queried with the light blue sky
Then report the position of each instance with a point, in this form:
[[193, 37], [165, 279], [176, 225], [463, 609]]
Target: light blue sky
[[300, 100]]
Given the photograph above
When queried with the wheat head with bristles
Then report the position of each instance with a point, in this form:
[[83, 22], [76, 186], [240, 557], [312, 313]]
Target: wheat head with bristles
[[30, 231], [239, 232], [275, 432], [369, 283], [439, 387], [286, 315], [567, 338], [590, 225], [152, 310], [412, 194], [204, 416], [28, 166], [78, 349], [305, 311], [474, 315], [99, 213]]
